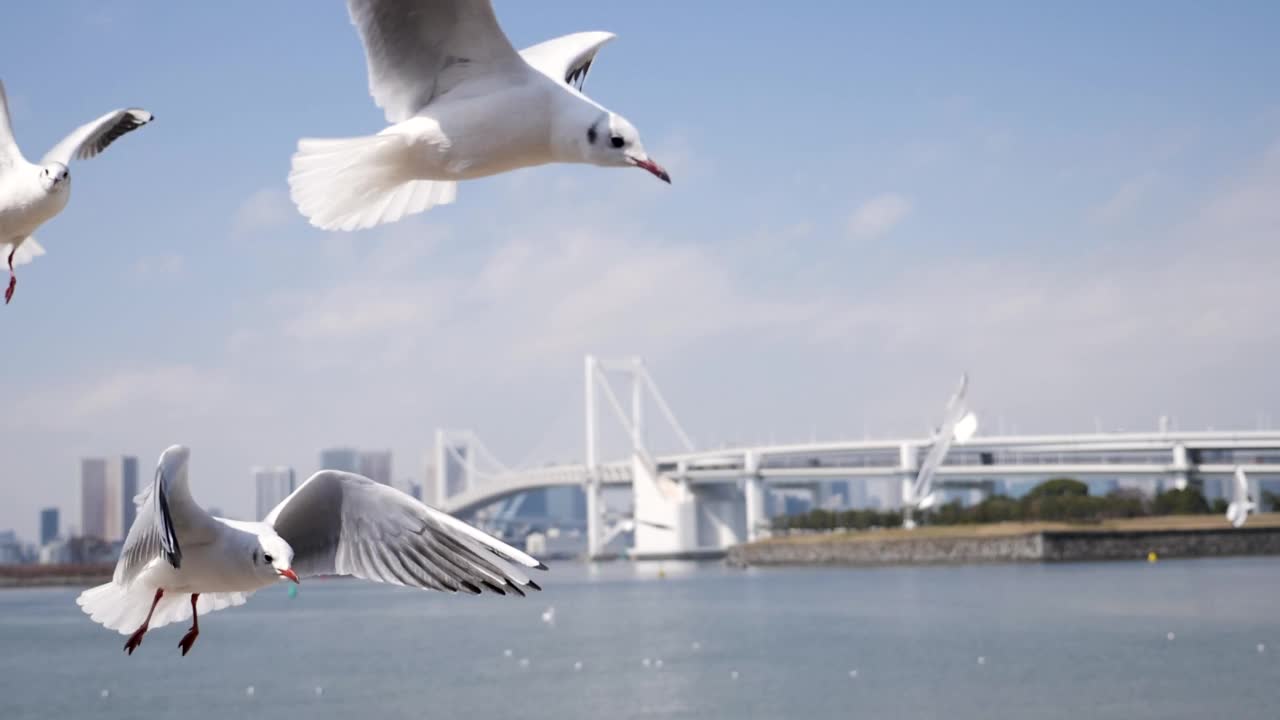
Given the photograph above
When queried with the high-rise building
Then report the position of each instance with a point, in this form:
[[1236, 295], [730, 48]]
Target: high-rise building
[[272, 485], [122, 488], [48, 526], [344, 459], [107, 489], [93, 498], [376, 465]]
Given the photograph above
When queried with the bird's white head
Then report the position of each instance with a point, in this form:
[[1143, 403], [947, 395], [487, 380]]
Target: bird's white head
[[611, 141], [53, 175], [273, 558]]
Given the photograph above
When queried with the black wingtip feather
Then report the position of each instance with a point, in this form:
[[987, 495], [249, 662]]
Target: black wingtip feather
[[541, 566], [494, 588], [471, 587], [515, 588], [534, 585]]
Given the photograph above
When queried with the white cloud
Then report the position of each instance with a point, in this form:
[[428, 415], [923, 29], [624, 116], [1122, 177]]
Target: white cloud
[[266, 209], [156, 393], [1127, 198], [877, 216], [156, 266]]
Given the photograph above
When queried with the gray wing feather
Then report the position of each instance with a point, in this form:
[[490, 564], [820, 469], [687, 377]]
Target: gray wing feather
[[567, 59], [344, 524], [168, 518], [92, 138], [418, 50]]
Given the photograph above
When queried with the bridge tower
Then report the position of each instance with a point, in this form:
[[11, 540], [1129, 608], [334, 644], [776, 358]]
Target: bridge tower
[[661, 506]]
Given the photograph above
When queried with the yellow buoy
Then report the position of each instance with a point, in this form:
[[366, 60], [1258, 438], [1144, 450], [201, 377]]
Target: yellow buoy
[[1152, 557]]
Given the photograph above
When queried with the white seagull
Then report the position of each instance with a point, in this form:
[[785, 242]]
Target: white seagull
[[1241, 504], [463, 104], [179, 561], [30, 194]]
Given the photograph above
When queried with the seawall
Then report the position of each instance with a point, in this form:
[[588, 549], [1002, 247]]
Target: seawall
[[13, 576], [1083, 545]]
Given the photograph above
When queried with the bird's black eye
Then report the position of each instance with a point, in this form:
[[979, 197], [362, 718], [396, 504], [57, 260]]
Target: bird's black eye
[[617, 141], [591, 134], [267, 558]]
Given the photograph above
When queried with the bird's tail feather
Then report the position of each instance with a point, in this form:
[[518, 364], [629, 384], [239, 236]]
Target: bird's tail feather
[[27, 251], [356, 183], [123, 608]]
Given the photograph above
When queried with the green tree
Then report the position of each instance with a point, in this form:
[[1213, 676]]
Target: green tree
[[1058, 487], [1181, 502]]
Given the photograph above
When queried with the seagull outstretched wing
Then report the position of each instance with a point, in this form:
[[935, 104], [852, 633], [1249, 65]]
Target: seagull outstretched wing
[[418, 50], [92, 138], [344, 524], [168, 519]]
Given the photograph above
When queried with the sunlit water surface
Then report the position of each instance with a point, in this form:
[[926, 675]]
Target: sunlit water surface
[[983, 642]]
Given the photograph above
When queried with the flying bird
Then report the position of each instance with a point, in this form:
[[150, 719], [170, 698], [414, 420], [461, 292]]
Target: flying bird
[[463, 104], [31, 194], [1241, 504], [180, 562]]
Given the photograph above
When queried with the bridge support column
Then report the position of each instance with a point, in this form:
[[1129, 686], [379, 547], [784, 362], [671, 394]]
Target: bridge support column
[[1181, 467], [757, 520], [595, 519], [907, 469]]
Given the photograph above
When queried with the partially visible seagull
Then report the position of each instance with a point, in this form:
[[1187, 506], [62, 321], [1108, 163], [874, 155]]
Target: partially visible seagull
[[463, 104], [180, 562], [30, 194]]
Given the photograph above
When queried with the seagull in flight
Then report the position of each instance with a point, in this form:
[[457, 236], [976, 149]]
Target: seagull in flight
[[180, 562], [31, 194], [463, 104]]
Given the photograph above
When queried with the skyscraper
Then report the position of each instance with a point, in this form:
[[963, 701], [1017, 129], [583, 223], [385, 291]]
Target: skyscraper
[[122, 487], [272, 485], [107, 489], [344, 459], [93, 498], [48, 525], [376, 465]]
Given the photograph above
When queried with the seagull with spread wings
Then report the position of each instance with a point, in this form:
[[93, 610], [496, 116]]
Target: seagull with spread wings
[[31, 194], [180, 562], [463, 104]]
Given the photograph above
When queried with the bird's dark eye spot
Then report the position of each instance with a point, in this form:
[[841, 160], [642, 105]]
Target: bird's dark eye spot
[[617, 141], [267, 558], [591, 134]]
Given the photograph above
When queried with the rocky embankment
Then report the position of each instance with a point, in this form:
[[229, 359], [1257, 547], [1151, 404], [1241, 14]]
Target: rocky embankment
[[1034, 545]]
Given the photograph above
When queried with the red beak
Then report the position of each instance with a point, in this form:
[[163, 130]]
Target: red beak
[[289, 573], [654, 168]]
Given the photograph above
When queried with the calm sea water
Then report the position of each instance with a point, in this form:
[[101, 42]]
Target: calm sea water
[[1077, 641]]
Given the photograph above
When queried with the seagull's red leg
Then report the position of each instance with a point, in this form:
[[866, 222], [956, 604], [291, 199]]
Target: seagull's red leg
[[136, 638], [13, 277], [190, 638]]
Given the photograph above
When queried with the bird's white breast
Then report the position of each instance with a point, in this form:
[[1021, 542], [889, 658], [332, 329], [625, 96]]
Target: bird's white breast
[[224, 565], [25, 205]]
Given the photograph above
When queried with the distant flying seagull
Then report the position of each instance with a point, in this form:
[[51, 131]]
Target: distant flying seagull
[[179, 561], [30, 194], [1241, 504], [464, 104]]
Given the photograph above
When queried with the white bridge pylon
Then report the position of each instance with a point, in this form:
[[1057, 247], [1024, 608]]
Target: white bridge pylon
[[656, 499]]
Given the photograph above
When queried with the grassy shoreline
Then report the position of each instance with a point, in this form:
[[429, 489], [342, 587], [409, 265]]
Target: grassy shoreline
[[1167, 523]]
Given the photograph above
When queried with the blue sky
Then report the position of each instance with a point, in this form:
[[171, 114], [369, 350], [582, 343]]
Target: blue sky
[[1077, 203]]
